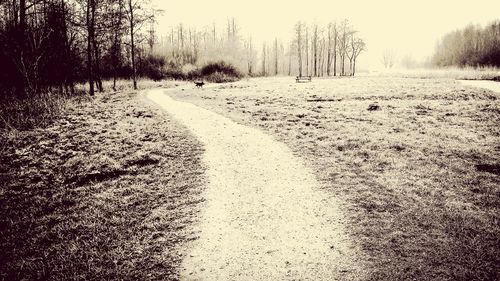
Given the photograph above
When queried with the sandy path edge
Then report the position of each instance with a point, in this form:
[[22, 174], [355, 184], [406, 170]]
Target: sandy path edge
[[265, 217]]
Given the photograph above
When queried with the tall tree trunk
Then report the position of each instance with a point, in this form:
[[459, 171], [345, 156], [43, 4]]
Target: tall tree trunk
[[315, 51], [95, 46], [275, 56], [290, 61], [90, 36], [353, 67], [342, 70], [335, 54], [264, 60], [350, 67], [21, 41], [132, 45], [97, 67], [67, 53], [299, 47], [329, 50], [307, 52]]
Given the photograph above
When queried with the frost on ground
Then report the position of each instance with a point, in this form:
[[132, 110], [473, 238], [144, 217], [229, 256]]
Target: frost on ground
[[265, 217], [491, 85], [416, 160], [109, 191]]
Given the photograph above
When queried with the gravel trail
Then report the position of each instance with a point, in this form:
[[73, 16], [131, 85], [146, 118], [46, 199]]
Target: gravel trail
[[265, 217]]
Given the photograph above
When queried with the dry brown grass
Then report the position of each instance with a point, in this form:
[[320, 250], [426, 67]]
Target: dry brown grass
[[108, 190], [33, 112], [420, 175]]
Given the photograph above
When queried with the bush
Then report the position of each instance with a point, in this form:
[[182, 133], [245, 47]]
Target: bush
[[219, 77], [156, 68], [152, 67], [175, 73], [221, 67]]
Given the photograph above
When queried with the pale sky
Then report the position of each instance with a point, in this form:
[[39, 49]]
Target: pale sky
[[408, 27]]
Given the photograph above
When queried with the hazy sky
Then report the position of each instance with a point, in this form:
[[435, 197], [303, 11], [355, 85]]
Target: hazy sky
[[408, 27]]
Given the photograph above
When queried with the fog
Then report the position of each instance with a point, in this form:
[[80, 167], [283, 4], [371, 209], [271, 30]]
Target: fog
[[410, 28]]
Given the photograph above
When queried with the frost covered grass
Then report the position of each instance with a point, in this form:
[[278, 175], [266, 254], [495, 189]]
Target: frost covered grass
[[417, 162], [108, 189]]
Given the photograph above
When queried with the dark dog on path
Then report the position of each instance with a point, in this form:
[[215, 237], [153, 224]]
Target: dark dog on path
[[199, 84]]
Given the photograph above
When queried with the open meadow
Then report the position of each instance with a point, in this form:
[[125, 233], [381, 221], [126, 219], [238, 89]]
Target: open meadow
[[249, 140], [112, 186], [416, 163]]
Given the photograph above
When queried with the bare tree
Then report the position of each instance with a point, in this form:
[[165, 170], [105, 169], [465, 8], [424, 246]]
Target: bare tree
[[389, 58], [350, 52], [329, 50], [264, 59], [315, 50], [250, 56], [343, 44], [137, 16], [90, 24], [307, 50], [275, 56], [298, 30], [335, 41], [117, 29], [358, 46]]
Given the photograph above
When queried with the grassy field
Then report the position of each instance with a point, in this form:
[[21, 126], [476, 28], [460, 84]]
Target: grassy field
[[109, 188], [417, 162], [466, 73]]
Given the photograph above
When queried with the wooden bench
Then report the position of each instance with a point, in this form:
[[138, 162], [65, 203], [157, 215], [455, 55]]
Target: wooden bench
[[303, 79], [199, 84]]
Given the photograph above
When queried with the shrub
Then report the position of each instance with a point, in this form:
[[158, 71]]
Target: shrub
[[219, 77], [194, 74], [220, 67], [174, 73], [152, 67]]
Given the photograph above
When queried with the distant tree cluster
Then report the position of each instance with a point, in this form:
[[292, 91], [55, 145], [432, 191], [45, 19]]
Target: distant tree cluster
[[53, 44], [185, 49], [471, 46], [329, 50], [316, 51]]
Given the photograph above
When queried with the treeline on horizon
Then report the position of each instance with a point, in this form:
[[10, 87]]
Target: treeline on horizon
[[314, 50], [51, 45], [472, 46]]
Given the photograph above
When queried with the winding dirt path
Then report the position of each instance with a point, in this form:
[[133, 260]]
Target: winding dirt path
[[265, 217]]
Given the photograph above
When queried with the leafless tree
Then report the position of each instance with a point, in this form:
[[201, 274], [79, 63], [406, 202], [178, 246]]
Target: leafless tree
[[276, 56], [90, 24], [264, 59], [343, 44], [250, 56], [315, 50], [298, 30], [389, 58], [329, 50], [307, 49], [358, 46], [137, 15]]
